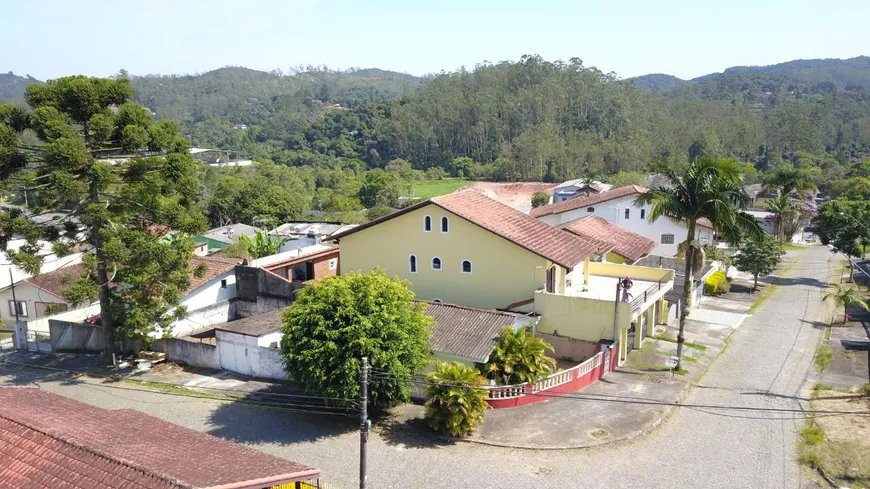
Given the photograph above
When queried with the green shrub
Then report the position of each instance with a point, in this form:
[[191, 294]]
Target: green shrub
[[717, 283], [455, 403]]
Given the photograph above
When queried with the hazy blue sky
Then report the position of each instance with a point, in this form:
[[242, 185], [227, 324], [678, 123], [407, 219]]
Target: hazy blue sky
[[51, 38]]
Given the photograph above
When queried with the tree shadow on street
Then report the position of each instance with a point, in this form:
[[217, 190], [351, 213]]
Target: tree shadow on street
[[26, 368], [406, 427], [278, 414]]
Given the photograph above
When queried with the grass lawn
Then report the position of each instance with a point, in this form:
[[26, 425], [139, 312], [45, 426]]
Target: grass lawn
[[433, 188]]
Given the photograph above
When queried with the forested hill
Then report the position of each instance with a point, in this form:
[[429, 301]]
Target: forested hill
[[802, 76], [12, 86]]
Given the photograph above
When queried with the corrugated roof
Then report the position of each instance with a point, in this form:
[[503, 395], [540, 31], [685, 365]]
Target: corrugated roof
[[624, 242], [466, 332], [259, 325], [580, 202], [50, 441]]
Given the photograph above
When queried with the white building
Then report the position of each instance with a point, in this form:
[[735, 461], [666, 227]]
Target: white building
[[579, 187], [208, 299], [617, 206]]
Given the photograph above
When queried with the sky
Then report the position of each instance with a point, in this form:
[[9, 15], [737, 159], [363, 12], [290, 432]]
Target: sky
[[53, 38]]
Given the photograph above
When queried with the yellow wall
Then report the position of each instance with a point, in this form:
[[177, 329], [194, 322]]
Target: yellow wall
[[635, 272], [578, 317], [503, 273], [612, 257]]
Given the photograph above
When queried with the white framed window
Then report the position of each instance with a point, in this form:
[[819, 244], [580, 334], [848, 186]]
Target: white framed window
[[333, 263], [466, 266], [412, 264], [436, 263], [667, 239], [19, 307], [427, 223], [445, 224], [590, 209], [627, 213], [643, 213]]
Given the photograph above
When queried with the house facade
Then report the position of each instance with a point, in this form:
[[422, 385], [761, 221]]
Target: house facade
[[465, 248], [39, 296], [617, 206]]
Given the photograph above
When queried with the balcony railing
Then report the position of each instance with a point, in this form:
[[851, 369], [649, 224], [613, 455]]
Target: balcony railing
[[641, 298]]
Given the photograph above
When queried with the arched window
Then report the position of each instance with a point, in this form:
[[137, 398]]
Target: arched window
[[627, 213], [643, 213], [667, 239], [436, 263], [590, 209], [466, 266], [412, 264], [427, 223], [444, 224]]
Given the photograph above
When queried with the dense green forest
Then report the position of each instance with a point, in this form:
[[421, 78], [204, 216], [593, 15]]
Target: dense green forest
[[336, 141]]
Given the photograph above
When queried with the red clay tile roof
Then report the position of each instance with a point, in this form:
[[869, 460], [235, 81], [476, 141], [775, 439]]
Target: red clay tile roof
[[50, 441], [55, 282], [624, 242], [467, 332], [579, 202], [214, 268]]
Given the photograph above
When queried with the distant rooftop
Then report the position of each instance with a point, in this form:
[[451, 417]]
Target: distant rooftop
[[231, 233]]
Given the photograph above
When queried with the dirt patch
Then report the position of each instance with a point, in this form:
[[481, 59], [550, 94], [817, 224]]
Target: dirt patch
[[844, 451]]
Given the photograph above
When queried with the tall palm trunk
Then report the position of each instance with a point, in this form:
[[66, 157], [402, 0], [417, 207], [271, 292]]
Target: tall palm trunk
[[687, 290]]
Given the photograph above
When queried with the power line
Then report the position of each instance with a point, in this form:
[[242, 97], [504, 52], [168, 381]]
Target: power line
[[629, 400]]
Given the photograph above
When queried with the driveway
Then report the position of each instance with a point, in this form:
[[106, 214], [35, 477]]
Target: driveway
[[763, 368]]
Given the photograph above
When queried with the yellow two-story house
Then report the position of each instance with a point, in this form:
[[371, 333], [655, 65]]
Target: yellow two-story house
[[465, 248]]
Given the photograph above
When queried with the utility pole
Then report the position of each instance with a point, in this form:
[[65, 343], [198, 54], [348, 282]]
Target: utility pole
[[14, 299], [363, 420]]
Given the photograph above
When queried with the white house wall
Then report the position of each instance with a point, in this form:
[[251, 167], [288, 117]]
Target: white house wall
[[26, 293], [204, 305], [614, 211]]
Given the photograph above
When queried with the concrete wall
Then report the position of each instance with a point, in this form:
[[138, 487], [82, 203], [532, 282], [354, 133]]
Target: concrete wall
[[614, 211], [66, 335], [577, 317], [241, 354], [221, 312], [75, 315], [268, 339], [190, 353], [576, 350], [502, 272]]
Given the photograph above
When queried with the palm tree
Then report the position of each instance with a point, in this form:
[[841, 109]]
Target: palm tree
[[456, 401], [788, 179], [784, 214], [707, 189], [847, 296], [519, 357]]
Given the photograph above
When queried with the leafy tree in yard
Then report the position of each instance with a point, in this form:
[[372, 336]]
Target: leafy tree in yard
[[540, 199], [519, 357], [124, 210], [847, 296], [335, 322], [843, 225], [456, 402], [710, 189], [759, 257]]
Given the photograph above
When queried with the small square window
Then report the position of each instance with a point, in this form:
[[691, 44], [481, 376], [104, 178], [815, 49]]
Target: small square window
[[333, 264], [224, 283], [667, 239]]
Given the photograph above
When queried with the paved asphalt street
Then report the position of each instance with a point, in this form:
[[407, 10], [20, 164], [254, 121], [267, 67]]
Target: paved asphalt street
[[764, 367]]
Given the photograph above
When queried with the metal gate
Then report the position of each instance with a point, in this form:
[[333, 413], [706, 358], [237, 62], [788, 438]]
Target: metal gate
[[629, 344]]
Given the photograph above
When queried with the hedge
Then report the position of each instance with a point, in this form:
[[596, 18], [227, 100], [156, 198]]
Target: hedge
[[717, 283]]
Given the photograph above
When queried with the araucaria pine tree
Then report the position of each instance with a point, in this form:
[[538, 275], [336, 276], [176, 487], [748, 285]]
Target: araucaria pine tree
[[126, 186]]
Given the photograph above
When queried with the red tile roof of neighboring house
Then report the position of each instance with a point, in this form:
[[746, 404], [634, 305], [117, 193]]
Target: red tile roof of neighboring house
[[631, 245], [529, 233], [55, 282], [591, 200], [214, 268], [52, 442], [579, 202]]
